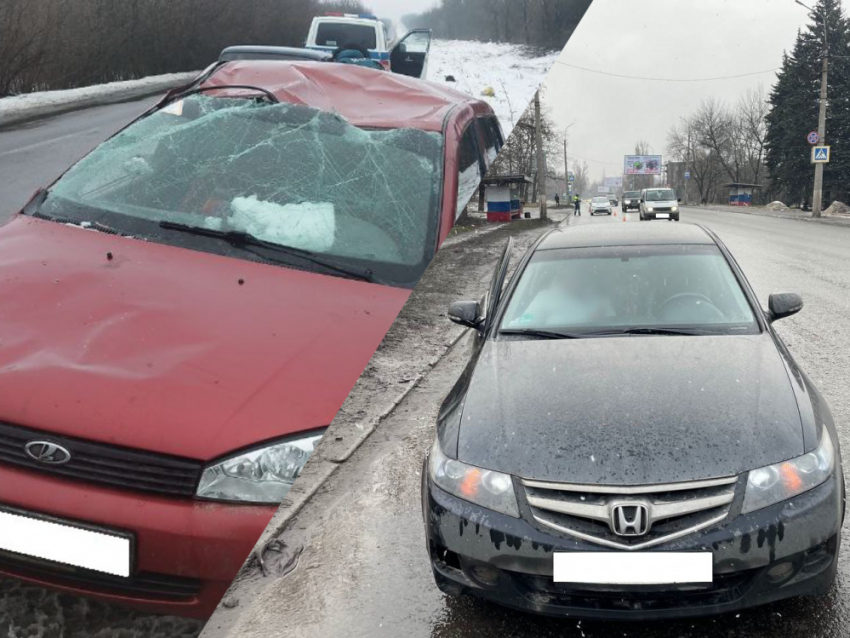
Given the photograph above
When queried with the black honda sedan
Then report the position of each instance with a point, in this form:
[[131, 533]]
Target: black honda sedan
[[631, 438]]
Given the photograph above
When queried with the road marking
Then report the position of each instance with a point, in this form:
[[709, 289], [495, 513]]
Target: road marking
[[52, 140]]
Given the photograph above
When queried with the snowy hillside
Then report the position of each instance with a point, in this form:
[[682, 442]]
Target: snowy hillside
[[505, 68]]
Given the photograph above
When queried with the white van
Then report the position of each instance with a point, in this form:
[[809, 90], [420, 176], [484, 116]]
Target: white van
[[659, 203], [408, 56]]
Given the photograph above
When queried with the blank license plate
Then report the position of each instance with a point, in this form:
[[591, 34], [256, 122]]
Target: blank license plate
[[662, 215], [633, 568], [65, 543]]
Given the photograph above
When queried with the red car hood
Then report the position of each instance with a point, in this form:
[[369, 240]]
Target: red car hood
[[161, 348]]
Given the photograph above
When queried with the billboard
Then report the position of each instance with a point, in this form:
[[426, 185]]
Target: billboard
[[603, 190], [642, 165], [614, 182]]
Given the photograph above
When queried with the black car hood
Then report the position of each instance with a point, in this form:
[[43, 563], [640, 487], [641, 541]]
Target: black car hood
[[630, 410]]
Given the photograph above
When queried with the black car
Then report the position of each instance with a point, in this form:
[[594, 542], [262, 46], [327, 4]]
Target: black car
[[631, 201], [631, 438]]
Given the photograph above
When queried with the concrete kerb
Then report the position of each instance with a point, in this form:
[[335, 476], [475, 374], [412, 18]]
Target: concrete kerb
[[77, 100], [323, 468], [320, 468], [760, 212]]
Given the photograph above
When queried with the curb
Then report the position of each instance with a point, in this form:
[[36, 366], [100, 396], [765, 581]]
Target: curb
[[762, 213], [325, 468], [118, 94]]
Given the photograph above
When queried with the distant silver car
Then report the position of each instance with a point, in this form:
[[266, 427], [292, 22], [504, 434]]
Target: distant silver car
[[600, 205]]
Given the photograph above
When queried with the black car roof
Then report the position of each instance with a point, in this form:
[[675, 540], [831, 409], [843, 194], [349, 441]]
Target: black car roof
[[630, 234]]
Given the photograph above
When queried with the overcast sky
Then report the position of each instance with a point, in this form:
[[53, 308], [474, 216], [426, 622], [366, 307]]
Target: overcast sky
[[660, 39], [394, 9]]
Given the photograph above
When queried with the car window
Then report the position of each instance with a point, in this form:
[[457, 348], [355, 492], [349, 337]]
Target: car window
[[469, 168], [600, 200], [592, 289], [340, 34], [288, 174], [492, 137], [660, 195], [631, 194]]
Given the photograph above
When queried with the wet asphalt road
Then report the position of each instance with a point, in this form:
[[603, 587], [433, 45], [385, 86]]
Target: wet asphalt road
[[34, 154], [364, 569]]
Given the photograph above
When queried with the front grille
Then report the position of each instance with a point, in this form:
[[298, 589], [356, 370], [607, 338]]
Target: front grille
[[662, 210], [145, 585], [726, 588], [105, 464], [588, 512]]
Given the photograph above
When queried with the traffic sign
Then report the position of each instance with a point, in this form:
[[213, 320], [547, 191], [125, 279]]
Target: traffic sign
[[687, 175], [572, 176], [813, 138], [820, 154]]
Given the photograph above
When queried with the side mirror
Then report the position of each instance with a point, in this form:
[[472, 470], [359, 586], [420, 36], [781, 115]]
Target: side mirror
[[679, 200], [466, 313], [784, 304]]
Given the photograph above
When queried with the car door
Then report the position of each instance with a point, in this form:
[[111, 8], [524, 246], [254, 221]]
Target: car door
[[409, 56], [494, 294]]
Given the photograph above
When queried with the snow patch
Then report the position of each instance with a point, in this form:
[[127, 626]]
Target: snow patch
[[42, 103], [309, 225], [481, 68]]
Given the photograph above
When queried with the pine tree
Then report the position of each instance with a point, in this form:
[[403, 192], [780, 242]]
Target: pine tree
[[795, 103]]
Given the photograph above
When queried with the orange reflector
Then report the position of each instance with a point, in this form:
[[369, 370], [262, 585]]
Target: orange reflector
[[469, 486], [790, 477]]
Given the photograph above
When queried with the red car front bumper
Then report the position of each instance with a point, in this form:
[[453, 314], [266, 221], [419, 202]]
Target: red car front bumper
[[186, 551]]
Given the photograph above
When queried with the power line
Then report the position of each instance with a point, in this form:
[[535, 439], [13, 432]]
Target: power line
[[637, 77]]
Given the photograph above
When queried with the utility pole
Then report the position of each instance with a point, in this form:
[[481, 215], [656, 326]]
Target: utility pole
[[541, 159], [566, 165], [817, 196]]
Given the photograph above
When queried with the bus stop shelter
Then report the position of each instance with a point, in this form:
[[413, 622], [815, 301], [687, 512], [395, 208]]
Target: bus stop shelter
[[503, 196], [741, 194]]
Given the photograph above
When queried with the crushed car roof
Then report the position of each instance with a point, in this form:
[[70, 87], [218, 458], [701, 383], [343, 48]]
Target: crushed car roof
[[631, 234], [364, 97]]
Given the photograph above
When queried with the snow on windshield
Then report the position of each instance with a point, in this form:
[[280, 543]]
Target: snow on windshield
[[288, 174]]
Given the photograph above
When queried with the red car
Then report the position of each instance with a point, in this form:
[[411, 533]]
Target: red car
[[185, 310]]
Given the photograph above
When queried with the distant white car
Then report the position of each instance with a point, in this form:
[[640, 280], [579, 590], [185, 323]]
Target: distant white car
[[600, 205]]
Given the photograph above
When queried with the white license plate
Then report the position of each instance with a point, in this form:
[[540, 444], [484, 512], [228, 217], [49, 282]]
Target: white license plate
[[633, 568], [662, 215], [65, 543]]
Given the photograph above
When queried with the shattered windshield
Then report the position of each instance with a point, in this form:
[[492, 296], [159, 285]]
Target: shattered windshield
[[287, 175]]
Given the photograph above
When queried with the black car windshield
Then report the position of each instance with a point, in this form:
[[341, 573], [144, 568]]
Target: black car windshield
[[617, 289], [340, 34], [634, 194], [286, 174], [665, 195]]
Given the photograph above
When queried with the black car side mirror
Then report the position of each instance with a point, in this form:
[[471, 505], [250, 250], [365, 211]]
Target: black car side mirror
[[466, 313], [679, 200], [784, 304]]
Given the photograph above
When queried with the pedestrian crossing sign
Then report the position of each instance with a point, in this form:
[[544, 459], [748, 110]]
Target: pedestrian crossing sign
[[820, 154]]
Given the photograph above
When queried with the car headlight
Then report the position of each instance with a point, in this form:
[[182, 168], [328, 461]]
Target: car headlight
[[649, 209], [263, 475], [486, 488], [674, 209], [781, 481]]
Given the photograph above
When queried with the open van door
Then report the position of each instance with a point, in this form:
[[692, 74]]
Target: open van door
[[409, 56]]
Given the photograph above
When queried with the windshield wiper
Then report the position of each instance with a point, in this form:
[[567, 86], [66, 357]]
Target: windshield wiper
[[542, 334], [242, 239], [652, 331]]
